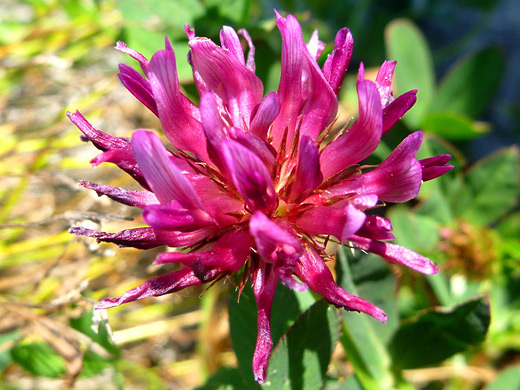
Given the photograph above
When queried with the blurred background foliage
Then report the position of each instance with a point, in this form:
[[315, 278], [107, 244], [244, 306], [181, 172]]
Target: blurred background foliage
[[462, 56]]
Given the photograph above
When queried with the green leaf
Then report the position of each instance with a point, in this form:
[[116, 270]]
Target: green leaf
[[490, 189], [5, 355], [93, 364], [350, 384], [170, 14], [39, 359], [453, 126], [99, 334], [144, 40], [363, 337], [417, 232], [232, 10], [510, 226], [470, 84], [438, 334], [287, 307], [301, 358], [406, 44], [225, 379], [508, 379]]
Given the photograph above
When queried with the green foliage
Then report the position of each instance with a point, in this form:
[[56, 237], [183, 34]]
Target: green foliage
[[448, 110], [436, 335], [301, 358], [288, 306], [470, 84], [407, 45], [489, 189], [508, 379], [39, 359], [362, 337], [453, 126]]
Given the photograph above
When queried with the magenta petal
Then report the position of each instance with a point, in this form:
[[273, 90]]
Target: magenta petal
[[384, 82], [312, 270], [303, 90], [337, 62], [264, 115], [238, 87], [140, 238], [396, 179], [264, 282], [186, 259], [338, 222], [146, 237], [376, 228], [250, 177], [164, 284], [361, 139], [121, 46], [435, 160], [174, 217], [229, 254], [125, 160], [138, 86], [434, 172], [274, 243], [101, 140], [322, 220], [396, 254], [214, 129], [434, 167], [395, 110], [121, 195], [258, 146], [250, 64], [229, 40], [290, 89], [164, 178], [225, 210], [354, 221], [177, 114], [308, 173]]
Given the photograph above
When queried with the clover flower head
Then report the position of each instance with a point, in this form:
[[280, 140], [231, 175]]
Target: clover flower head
[[258, 183]]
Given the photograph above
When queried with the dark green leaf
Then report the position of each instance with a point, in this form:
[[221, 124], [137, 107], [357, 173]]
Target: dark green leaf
[[243, 330], [453, 126], [491, 188], [406, 44], [369, 277], [301, 358], [232, 10], [363, 337], [438, 334], [508, 379], [351, 383], [287, 307], [5, 355], [93, 364], [85, 324], [225, 379], [39, 359], [510, 227], [417, 232], [470, 84]]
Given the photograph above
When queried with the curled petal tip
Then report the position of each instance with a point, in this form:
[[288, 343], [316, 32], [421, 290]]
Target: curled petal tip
[[106, 303]]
